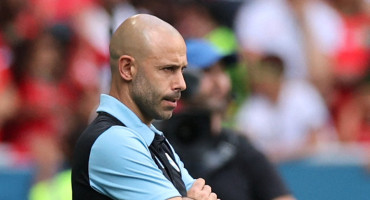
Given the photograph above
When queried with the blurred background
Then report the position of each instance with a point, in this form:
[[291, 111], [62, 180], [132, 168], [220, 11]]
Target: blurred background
[[300, 85]]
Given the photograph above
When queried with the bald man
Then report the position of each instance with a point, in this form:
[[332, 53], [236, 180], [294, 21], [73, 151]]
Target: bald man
[[121, 155]]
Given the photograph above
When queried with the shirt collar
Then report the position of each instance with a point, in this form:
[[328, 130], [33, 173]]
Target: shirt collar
[[120, 111]]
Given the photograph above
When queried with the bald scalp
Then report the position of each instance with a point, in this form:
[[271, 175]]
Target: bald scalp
[[137, 37]]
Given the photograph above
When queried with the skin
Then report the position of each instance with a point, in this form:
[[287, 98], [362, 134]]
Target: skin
[[147, 58], [215, 88], [214, 94]]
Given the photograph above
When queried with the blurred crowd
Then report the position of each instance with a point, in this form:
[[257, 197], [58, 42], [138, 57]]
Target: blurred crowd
[[300, 82]]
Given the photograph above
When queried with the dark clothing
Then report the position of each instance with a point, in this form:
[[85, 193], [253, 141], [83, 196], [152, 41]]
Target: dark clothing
[[80, 176], [227, 161]]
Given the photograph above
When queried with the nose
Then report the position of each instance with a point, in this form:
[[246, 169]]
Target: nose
[[179, 83]]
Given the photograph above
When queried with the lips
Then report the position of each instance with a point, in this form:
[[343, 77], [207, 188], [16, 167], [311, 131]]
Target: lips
[[171, 104], [172, 100]]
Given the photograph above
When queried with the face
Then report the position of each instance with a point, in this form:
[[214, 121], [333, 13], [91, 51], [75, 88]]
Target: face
[[215, 88], [157, 86], [46, 57]]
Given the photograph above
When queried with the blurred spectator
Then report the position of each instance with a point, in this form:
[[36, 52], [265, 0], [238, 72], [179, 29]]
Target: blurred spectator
[[229, 163], [58, 69], [8, 92], [59, 186], [17, 22], [45, 99], [286, 119], [304, 33], [9, 100], [353, 53], [202, 19], [351, 65], [353, 116]]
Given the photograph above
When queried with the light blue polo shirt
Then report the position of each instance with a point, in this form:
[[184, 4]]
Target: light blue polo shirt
[[120, 164]]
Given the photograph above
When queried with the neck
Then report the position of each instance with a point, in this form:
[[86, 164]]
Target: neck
[[216, 123], [126, 99]]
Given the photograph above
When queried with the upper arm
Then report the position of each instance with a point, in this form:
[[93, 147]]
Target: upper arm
[[121, 167]]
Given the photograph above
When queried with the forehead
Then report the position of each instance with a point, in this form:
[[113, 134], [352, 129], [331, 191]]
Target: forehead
[[168, 51]]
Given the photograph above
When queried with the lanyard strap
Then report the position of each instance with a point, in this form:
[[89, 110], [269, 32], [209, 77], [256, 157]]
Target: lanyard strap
[[165, 160]]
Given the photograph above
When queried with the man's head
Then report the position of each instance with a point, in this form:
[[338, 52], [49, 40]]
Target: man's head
[[147, 57], [268, 76], [214, 87]]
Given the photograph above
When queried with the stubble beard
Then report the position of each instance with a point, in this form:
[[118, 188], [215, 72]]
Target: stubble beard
[[148, 100]]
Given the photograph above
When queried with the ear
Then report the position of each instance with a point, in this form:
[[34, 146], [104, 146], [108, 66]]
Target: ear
[[125, 67]]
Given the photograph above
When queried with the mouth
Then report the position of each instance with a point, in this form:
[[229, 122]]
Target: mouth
[[171, 104], [172, 100]]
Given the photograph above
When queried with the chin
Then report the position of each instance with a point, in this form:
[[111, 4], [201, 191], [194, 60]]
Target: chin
[[165, 116]]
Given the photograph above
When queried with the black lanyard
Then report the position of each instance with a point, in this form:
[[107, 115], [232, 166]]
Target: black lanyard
[[165, 160]]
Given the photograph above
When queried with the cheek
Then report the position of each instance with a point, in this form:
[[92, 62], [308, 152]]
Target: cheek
[[206, 86], [142, 86], [222, 85], [156, 90], [226, 82]]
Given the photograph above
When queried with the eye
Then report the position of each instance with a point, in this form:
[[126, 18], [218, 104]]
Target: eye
[[170, 69]]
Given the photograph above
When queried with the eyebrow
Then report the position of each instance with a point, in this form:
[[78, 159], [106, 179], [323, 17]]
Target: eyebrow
[[173, 65]]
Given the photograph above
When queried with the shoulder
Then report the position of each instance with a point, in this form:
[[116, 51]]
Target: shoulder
[[233, 137], [239, 141], [121, 165], [118, 139]]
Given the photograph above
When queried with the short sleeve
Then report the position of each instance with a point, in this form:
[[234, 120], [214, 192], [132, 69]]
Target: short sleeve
[[121, 167]]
